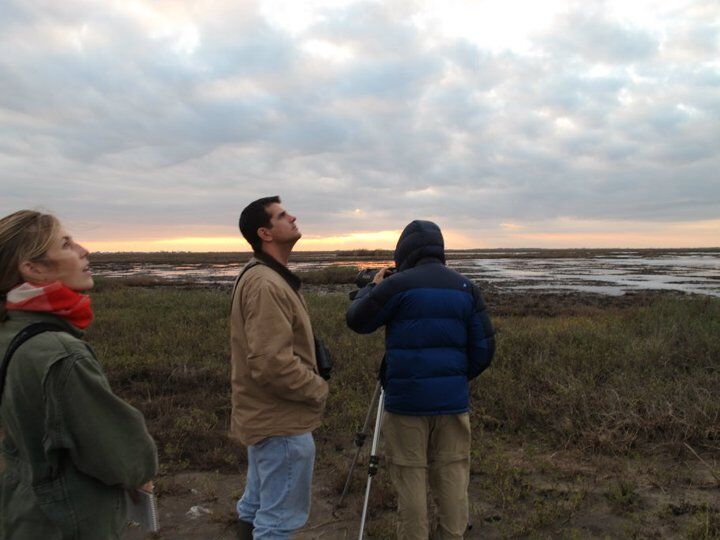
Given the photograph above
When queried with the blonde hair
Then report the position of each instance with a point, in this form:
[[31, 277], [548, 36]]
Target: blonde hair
[[25, 235]]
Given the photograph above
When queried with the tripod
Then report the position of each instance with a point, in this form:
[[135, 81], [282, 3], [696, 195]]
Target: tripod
[[360, 436]]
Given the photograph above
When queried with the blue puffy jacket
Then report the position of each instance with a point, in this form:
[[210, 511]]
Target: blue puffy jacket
[[438, 334]]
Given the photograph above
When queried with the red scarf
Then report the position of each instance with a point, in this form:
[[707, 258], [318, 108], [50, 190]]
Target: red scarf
[[54, 298]]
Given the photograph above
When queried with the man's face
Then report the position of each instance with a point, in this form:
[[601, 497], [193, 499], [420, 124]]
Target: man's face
[[282, 225]]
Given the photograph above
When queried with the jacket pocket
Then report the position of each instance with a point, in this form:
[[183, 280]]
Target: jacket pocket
[[55, 503]]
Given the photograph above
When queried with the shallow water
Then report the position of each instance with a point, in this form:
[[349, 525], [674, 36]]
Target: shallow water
[[614, 273], [692, 273]]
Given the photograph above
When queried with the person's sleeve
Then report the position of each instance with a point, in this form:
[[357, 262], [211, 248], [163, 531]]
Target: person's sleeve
[[371, 308], [271, 357], [105, 436], [481, 337]]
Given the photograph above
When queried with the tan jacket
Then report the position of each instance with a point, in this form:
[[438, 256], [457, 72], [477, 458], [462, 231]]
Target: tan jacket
[[276, 389]]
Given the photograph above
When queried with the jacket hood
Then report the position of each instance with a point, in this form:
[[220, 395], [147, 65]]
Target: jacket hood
[[420, 239]]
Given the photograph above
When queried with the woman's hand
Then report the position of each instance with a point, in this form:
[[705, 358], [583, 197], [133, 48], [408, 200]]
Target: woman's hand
[[147, 487]]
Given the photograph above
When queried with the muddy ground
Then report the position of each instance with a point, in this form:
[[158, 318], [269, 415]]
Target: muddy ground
[[538, 494]]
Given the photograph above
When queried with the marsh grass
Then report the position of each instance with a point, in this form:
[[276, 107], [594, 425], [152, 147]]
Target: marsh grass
[[329, 275], [166, 350], [610, 382], [705, 525], [618, 383]]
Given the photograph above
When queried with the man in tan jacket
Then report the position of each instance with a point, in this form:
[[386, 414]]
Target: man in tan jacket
[[278, 397]]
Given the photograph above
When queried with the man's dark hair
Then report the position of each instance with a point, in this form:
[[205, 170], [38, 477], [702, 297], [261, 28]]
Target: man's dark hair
[[253, 217]]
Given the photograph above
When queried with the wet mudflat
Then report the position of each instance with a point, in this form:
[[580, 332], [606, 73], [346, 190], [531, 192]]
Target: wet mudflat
[[559, 494], [602, 272], [613, 274]]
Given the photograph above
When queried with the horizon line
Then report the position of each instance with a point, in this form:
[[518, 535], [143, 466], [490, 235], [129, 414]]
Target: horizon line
[[447, 250]]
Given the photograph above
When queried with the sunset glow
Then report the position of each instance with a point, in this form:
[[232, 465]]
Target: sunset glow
[[560, 234]]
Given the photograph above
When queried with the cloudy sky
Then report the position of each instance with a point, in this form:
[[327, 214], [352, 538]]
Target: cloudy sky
[[148, 125]]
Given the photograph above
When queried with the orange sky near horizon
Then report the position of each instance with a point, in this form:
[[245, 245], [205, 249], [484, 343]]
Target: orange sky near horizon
[[559, 234]]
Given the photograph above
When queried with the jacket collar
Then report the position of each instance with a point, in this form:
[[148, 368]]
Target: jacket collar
[[294, 281], [26, 318], [430, 260]]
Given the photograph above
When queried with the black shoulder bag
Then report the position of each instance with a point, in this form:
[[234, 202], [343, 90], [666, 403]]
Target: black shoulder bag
[[20, 338]]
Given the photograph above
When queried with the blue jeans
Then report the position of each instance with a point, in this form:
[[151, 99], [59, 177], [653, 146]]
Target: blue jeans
[[277, 492]]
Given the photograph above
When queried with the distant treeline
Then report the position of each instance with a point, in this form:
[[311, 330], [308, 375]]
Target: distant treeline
[[218, 257]]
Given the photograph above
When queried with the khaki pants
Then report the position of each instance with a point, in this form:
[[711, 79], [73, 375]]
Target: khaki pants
[[434, 448]]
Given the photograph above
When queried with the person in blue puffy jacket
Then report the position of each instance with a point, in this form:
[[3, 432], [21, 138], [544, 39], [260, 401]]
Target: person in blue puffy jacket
[[438, 338]]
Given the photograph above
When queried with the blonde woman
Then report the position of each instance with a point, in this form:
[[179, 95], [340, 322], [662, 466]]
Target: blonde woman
[[71, 447]]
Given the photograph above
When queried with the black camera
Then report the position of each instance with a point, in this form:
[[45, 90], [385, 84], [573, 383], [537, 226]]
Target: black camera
[[323, 358], [366, 276]]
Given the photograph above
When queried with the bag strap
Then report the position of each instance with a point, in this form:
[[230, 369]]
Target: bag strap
[[237, 281], [248, 267], [20, 338], [320, 349]]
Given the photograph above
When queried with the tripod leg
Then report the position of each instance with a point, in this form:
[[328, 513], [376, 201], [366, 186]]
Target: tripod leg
[[373, 466], [359, 442]]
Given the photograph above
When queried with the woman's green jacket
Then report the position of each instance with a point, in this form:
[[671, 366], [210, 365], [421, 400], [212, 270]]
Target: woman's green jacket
[[71, 447]]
